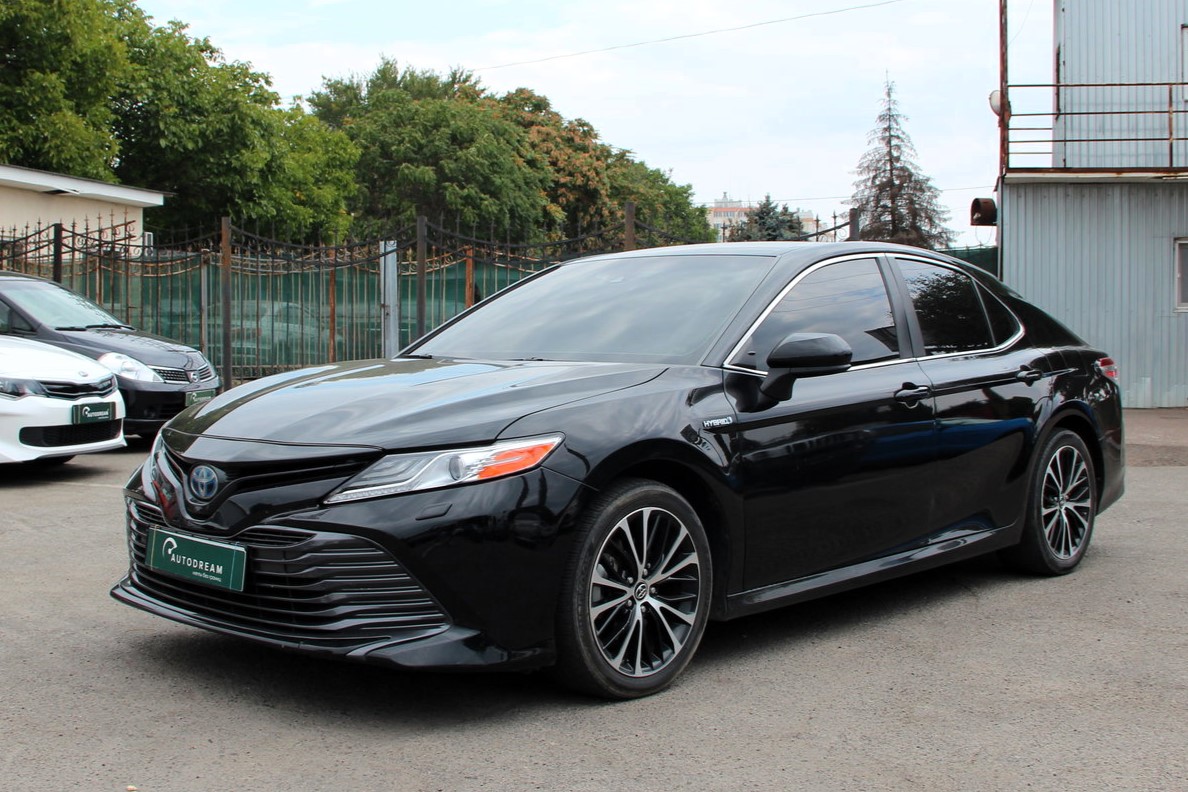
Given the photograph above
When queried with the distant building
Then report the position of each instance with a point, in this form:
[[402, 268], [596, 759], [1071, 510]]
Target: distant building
[[1093, 188], [727, 213]]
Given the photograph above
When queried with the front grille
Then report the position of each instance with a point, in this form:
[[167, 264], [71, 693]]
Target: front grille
[[77, 390], [315, 588], [76, 434], [183, 376], [173, 375]]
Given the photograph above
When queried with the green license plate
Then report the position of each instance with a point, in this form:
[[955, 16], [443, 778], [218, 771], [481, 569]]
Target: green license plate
[[197, 397], [93, 413], [201, 560]]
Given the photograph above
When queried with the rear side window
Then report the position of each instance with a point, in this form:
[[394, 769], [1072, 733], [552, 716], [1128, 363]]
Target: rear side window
[[848, 299], [948, 308], [1003, 323]]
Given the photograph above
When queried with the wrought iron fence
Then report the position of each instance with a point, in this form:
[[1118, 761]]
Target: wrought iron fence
[[257, 306]]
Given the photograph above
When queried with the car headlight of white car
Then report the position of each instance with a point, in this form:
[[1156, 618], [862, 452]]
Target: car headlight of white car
[[17, 388]]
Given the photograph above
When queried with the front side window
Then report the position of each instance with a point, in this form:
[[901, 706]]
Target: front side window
[[948, 307], [848, 299]]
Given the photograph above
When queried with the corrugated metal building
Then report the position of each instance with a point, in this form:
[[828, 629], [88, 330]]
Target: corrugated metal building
[[1096, 231]]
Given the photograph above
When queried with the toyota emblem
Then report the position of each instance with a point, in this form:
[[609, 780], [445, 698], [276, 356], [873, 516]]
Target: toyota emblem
[[204, 482]]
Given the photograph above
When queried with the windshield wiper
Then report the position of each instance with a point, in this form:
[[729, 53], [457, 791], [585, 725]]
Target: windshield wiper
[[116, 326], [80, 329]]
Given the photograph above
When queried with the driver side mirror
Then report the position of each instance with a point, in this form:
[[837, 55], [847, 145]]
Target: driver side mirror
[[803, 355]]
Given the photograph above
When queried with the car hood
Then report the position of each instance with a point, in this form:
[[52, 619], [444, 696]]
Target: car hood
[[403, 403], [23, 359], [149, 349]]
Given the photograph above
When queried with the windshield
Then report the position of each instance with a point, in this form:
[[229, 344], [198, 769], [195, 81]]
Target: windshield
[[57, 307], [663, 309]]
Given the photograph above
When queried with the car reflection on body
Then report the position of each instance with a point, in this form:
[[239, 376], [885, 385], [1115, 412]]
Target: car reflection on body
[[55, 404], [583, 470]]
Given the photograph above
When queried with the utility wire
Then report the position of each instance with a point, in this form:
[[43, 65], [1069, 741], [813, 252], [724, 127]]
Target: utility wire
[[690, 35]]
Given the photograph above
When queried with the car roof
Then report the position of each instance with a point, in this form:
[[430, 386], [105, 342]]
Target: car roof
[[789, 251]]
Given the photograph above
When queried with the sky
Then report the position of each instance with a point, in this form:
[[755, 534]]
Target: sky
[[746, 99]]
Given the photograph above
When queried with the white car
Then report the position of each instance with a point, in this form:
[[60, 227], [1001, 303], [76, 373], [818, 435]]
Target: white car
[[55, 404]]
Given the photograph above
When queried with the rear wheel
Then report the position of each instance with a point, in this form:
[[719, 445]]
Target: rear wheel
[[636, 595], [1060, 510]]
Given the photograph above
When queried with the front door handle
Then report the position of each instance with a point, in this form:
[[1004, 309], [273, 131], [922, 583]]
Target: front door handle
[[910, 394]]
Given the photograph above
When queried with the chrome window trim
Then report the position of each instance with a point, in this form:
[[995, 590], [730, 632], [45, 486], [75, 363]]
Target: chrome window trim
[[873, 256]]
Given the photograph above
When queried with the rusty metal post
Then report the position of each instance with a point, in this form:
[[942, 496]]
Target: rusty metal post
[[629, 225], [58, 243], [1171, 126], [225, 268], [333, 353], [422, 271], [1004, 115], [855, 225], [469, 276]]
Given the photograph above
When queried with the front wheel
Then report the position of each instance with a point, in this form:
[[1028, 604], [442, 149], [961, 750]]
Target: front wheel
[[637, 591], [1060, 509]]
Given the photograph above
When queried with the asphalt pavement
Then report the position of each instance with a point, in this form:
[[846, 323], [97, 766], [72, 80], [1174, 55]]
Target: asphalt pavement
[[965, 677]]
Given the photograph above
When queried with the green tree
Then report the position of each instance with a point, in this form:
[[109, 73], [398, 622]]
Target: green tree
[[578, 186], [211, 133], [767, 222], [898, 203], [660, 202], [434, 146], [60, 60]]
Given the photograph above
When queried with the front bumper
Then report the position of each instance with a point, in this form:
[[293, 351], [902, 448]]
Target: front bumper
[[151, 404], [37, 427], [407, 581]]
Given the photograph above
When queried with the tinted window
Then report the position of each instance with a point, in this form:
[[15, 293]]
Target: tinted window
[[664, 308], [1002, 322], [948, 308], [848, 299]]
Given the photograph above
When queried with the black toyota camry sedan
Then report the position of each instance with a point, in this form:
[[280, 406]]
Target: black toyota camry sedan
[[585, 469]]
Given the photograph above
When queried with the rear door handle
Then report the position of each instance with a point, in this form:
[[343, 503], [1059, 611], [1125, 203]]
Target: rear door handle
[[911, 394], [1029, 375]]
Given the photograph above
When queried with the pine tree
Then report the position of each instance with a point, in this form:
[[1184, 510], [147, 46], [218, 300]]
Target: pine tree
[[897, 201], [767, 222]]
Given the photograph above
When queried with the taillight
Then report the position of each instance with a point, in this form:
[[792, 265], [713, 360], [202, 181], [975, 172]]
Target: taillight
[[1108, 367]]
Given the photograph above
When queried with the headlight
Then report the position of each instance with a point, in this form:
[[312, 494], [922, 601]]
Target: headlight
[[398, 473], [129, 368], [16, 388]]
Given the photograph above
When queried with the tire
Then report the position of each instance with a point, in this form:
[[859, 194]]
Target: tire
[[636, 595], [1061, 507]]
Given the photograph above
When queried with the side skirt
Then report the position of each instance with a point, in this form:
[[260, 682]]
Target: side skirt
[[835, 580]]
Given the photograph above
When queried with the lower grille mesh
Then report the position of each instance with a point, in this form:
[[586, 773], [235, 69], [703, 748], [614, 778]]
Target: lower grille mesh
[[315, 588], [68, 435]]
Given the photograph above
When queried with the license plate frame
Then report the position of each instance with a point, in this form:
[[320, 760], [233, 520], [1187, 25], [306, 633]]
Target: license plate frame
[[93, 412], [199, 396], [206, 561]]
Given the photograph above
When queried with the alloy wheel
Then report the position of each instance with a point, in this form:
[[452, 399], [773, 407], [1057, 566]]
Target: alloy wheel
[[645, 592], [1066, 504]]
